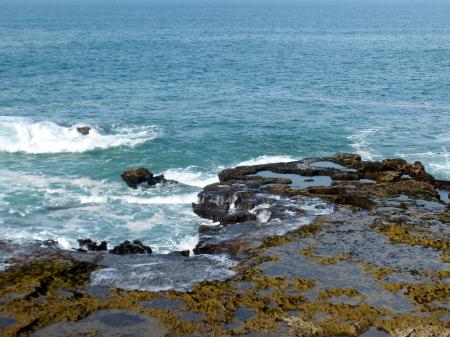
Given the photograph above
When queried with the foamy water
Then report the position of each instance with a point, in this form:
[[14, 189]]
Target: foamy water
[[267, 160], [65, 209], [68, 208], [367, 143], [24, 135]]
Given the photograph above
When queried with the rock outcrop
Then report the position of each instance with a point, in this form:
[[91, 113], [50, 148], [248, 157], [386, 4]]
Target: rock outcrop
[[135, 177], [248, 196], [321, 247], [127, 247], [89, 245]]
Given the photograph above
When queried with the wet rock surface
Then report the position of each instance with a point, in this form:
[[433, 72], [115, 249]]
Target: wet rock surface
[[134, 247], [114, 323], [160, 272], [322, 247], [89, 245], [141, 176]]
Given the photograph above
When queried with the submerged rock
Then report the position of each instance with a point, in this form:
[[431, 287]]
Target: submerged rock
[[84, 130], [127, 247], [107, 323], [135, 177]]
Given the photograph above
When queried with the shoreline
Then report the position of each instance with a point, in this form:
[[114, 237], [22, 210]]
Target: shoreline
[[323, 247]]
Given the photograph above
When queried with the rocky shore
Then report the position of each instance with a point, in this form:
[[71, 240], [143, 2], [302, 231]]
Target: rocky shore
[[324, 247]]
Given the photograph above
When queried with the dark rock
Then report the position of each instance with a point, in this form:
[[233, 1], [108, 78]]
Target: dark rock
[[417, 170], [84, 130], [134, 178], [127, 247], [232, 247], [205, 228], [89, 245], [235, 201], [357, 201], [442, 184], [216, 199], [395, 164], [210, 211], [185, 253], [231, 218], [49, 243]]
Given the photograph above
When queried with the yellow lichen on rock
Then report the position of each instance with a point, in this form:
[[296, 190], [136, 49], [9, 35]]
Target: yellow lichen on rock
[[309, 253], [422, 331], [299, 327]]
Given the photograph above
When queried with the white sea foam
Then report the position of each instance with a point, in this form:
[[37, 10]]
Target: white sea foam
[[185, 198], [267, 160], [63, 243], [23, 135], [437, 162], [186, 243], [191, 176], [141, 225], [361, 143]]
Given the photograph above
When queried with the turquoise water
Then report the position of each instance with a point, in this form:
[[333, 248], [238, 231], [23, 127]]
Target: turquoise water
[[187, 89]]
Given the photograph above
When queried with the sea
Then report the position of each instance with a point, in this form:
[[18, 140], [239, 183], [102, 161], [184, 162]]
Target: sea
[[187, 88]]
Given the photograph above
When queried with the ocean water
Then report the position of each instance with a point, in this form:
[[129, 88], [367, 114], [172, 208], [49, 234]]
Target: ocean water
[[188, 88]]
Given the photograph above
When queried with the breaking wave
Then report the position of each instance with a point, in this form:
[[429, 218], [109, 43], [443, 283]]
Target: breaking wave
[[267, 160], [361, 143], [189, 176], [24, 135]]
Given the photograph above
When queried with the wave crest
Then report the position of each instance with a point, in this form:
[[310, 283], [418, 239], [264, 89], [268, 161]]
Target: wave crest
[[267, 160], [22, 135], [192, 177]]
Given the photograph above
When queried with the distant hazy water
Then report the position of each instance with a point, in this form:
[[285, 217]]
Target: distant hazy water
[[188, 89]]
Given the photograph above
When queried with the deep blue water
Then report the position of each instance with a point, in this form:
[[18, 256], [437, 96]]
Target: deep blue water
[[186, 89]]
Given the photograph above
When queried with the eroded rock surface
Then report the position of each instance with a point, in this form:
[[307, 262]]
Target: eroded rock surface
[[321, 247]]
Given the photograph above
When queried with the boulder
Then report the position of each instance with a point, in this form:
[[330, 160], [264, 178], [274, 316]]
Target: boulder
[[135, 177], [127, 247], [84, 130]]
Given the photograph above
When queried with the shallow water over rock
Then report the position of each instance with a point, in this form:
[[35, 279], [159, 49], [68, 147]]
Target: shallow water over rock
[[107, 323], [374, 332], [444, 195], [160, 272], [298, 181], [329, 164]]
